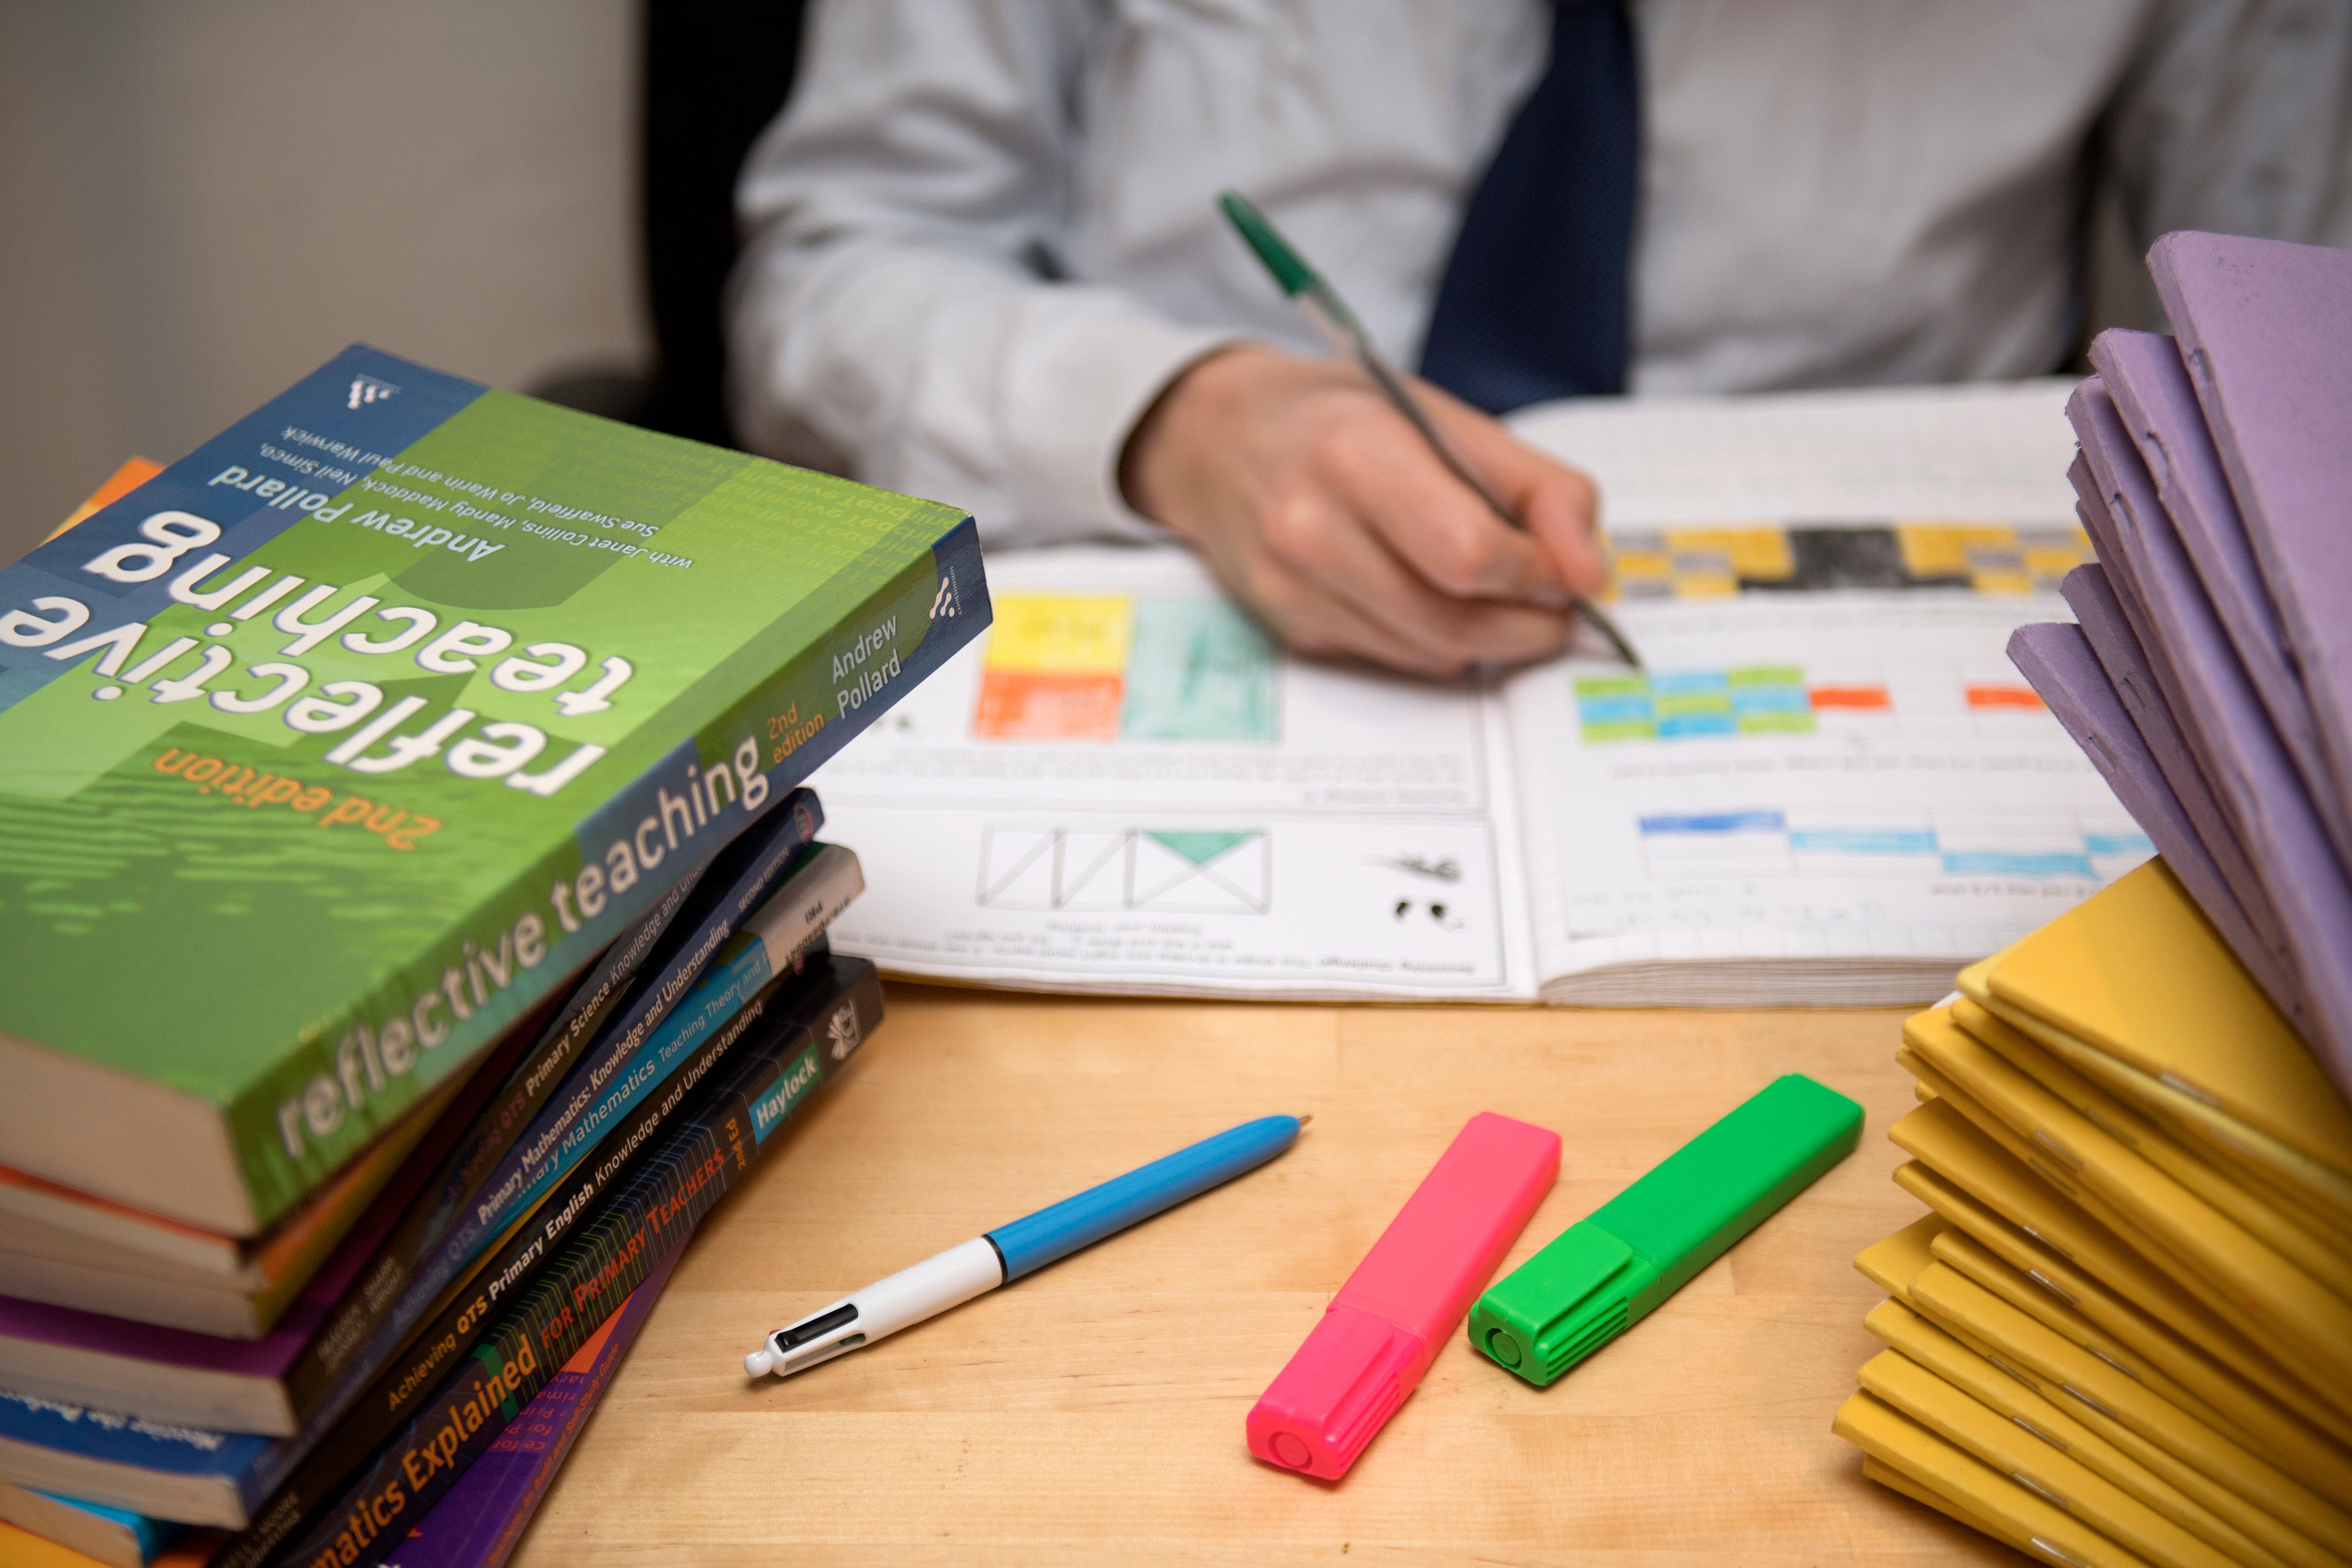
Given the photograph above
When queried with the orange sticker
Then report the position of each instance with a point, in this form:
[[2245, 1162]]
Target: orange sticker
[[2003, 697], [1862, 697], [1040, 705]]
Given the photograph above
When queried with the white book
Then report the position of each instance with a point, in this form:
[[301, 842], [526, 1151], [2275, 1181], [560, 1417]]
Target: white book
[[1829, 786]]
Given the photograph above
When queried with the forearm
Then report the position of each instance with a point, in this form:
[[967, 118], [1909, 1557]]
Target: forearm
[[890, 317], [938, 370]]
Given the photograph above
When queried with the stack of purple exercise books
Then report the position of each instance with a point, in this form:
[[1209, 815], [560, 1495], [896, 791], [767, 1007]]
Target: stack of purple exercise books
[[2209, 677]]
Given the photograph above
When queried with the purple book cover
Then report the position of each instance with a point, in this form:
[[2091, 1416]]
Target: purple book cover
[[477, 1524], [2115, 640], [266, 1358], [2056, 659], [2254, 779], [2143, 373], [2266, 327], [2114, 615]]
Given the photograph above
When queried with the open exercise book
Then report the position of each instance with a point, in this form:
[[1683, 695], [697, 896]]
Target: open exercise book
[[1830, 788]]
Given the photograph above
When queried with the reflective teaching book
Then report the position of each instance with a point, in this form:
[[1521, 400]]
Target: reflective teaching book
[[331, 750]]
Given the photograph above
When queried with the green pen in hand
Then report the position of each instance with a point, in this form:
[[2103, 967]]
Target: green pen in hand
[[1308, 290]]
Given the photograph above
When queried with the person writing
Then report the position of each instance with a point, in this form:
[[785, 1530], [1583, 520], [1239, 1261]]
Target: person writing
[[984, 259]]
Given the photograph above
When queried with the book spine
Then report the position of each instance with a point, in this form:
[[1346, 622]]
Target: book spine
[[478, 1522], [591, 1003], [343, 1274], [342, 1406], [765, 1026], [647, 1217], [793, 917], [360, 1065], [506, 1185], [358, 1320], [396, 1249]]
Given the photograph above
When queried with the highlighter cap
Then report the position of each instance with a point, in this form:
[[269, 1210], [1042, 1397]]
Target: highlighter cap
[[1348, 1378], [1377, 1338]]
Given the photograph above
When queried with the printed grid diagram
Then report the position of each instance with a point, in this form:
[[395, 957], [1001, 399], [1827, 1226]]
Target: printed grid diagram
[[1223, 872]]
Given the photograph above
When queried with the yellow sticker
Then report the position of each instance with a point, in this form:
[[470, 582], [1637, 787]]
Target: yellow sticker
[[1757, 554], [1061, 632], [1943, 549]]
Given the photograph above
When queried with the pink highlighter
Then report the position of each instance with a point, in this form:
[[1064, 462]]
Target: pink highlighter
[[1405, 1298]]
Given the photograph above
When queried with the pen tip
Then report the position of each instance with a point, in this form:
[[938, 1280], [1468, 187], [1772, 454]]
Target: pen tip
[[1306, 1118]]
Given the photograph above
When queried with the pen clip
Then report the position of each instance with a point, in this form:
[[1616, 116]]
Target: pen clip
[[818, 1337]]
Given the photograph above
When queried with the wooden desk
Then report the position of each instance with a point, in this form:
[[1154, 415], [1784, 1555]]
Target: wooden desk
[[1093, 1414]]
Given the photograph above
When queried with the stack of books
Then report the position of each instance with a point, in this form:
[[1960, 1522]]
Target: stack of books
[[2123, 1333], [415, 925], [2210, 676]]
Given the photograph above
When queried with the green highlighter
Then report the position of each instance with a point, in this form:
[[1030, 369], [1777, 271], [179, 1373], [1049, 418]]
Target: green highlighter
[[1605, 1273]]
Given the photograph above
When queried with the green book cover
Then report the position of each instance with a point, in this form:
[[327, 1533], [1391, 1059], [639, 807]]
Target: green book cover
[[331, 750]]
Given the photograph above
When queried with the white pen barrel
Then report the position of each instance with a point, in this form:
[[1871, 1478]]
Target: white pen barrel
[[943, 1280]]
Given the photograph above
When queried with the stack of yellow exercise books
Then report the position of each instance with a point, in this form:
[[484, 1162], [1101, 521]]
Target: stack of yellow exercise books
[[2123, 1333]]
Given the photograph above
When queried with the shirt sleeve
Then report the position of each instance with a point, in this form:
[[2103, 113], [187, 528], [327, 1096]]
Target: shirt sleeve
[[899, 313], [2234, 117]]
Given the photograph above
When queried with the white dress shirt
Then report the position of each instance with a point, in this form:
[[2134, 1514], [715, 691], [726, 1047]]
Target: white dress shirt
[[983, 237]]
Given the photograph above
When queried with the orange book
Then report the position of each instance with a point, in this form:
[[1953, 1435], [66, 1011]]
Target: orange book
[[134, 472]]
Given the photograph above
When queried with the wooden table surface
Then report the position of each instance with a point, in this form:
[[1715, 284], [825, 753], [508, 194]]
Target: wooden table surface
[[1093, 1412]]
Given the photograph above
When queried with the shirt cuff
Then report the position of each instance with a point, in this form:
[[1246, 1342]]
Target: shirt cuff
[[1076, 397]]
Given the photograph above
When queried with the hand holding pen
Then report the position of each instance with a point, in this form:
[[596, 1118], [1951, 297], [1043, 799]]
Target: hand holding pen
[[1355, 520]]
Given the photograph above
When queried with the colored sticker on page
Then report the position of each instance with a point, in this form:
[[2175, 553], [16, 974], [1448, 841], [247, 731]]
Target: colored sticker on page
[[1713, 563], [1056, 668], [1109, 667], [1199, 670]]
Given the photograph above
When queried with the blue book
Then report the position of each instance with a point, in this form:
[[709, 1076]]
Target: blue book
[[147, 1466], [114, 1536]]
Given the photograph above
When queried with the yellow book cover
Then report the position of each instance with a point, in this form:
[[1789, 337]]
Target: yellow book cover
[[2135, 971], [1891, 1264], [2014, 1400], [2034, 1461], [2036, 1301], [2116, 1406], [2006, 1510], [1962, 1152], [2212, 1393], [2312, 1245], [2287, 1175], [1895, 1480], [1987, 1158], [2103, 1322], [2280, 1304]]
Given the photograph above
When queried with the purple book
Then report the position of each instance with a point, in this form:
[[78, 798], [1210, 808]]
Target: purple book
[[177, 1375], [477, 1523], [2217, 708], [2266, 328], [2056, 659], [2143, 373], [2115, 640]]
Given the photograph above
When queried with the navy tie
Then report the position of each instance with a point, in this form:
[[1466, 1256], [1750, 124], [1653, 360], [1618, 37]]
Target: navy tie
[[1533, 304]]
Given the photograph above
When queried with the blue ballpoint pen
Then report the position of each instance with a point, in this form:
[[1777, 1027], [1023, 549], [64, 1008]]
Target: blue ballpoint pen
[[1003, 1255], [1313, 294]]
